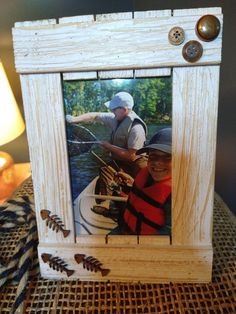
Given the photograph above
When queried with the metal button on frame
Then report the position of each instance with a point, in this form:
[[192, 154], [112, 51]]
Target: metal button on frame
[[176, 36], [192, 51], [208, 27]]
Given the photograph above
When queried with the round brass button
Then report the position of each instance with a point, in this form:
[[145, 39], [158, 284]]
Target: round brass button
[[192, 51], [176, 36], [208, 27]]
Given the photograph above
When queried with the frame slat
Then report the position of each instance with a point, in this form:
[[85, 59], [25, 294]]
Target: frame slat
[[114, 16], [116, 74], [145, 264], [107, 45], [71, 76], [35, 23], [195, 104], [152, 72], [151, 13], [197, 11], [45, 122], [76, 19]]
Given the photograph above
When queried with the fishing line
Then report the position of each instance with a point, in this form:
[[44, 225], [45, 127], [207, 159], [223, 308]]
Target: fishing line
[[87, 130], [79, 139], [82, 142]]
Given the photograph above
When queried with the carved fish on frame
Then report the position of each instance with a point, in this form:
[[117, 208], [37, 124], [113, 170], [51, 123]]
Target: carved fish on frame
[[91, 264], [54, 222], [56, 263]]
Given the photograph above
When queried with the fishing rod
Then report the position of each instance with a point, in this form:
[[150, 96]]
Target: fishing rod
[[104, 163], [100, 159], [111, 168], [108, 197], [83, 142]]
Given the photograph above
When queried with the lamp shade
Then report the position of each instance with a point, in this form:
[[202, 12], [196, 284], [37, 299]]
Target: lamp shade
[[11, 122]]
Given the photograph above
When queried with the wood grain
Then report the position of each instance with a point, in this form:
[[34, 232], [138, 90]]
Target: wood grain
[[195, 103], [152, 72], [35, 23], [154, 240], [114, 16], [76, 19], [45, 122], [116, 74], [71, 76], [107, 44], [197, 11], [158, 72], [134, 263], [151, 14]]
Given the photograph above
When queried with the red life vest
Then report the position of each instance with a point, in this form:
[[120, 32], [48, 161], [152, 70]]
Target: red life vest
[[144, 212]]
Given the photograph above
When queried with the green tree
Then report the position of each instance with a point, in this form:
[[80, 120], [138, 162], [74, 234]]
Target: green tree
[[152, 96]]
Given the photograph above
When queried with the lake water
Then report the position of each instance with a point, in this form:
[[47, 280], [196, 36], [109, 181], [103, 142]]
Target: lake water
[[85, 167]]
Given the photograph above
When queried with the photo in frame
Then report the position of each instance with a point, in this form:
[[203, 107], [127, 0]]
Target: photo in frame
[[101, 181], [154, 44]]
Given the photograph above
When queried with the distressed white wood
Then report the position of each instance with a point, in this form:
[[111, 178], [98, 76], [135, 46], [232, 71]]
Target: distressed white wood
[[91, 239], [121, 240], [152, 72], [44, 114], [154, 240], [71, 76], [76, 19], [107, 45], [197, 11], [114, 16], [116, 74], [112, 44], [138, 263], [150, 14], [195, 101], [35, 23]]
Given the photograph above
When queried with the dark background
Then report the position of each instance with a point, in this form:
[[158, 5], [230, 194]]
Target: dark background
[[12, 11]]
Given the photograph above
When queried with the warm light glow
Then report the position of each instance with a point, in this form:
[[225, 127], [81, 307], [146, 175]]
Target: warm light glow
[[11, 122], [7, 176], [2, 162]]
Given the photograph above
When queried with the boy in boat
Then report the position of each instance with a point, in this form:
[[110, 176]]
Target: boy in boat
[[128, 131], [148, 209]]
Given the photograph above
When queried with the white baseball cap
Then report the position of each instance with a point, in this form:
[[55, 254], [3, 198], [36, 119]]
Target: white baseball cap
[[121, 99]]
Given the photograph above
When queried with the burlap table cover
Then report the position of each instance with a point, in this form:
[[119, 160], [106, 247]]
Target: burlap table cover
[[49, 296]]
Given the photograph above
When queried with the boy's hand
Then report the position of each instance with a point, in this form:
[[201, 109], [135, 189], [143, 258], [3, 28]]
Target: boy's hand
[[124, 177]]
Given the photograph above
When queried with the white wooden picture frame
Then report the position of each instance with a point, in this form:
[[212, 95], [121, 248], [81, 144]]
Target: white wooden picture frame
[[112, 45]]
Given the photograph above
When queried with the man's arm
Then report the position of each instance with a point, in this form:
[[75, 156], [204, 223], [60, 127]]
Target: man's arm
[[86, 117], [120, 153]]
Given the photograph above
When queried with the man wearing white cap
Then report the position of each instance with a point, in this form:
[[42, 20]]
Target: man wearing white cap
[[128, 130]]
